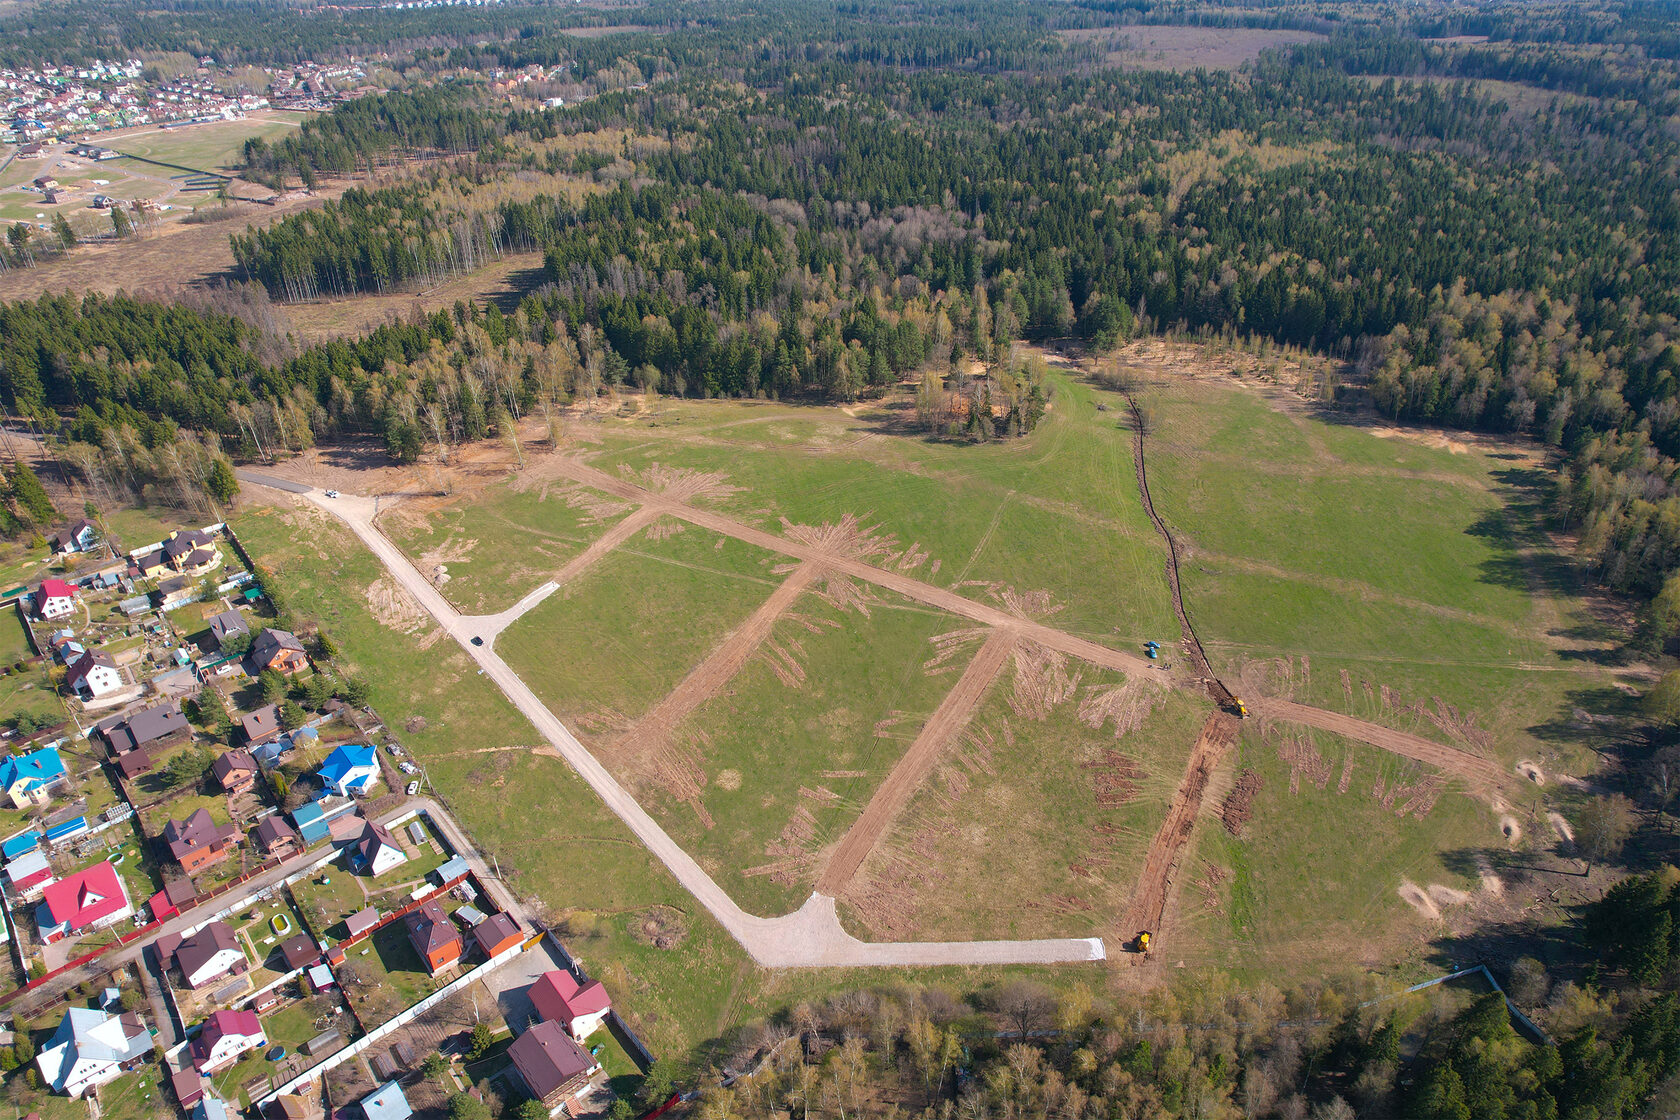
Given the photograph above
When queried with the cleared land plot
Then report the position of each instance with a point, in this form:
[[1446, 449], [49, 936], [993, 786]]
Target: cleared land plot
[[141, 526], [1055, 513], [1189, 48], [1407, 562], [607, 647], [789, 752], [491, 551], [206, 147], [1333, 832], [1037, 821]]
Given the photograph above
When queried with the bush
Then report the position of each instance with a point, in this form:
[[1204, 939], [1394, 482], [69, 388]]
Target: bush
[[465, 1106]]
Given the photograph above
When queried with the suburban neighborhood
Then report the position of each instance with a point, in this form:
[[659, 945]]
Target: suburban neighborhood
[[222, 873]]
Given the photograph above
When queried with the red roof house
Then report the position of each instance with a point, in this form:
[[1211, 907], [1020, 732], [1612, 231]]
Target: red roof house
[[580, 1008], [90, 899], [226, 1035]]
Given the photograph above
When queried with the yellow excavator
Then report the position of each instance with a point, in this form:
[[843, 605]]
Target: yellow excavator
[[1140, 943]]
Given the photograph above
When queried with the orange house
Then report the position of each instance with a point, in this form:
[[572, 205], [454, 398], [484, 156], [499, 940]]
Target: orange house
[[434, 936]]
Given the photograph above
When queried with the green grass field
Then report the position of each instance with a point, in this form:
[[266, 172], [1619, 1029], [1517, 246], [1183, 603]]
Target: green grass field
[[604, 649], [206, 147], [1037, 823], [794, 746], [504, 542], [14, 639]]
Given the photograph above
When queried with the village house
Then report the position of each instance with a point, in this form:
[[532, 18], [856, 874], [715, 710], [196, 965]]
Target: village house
[[92, 898], [92, 675], [226, 625], [261, 726], [376, 851], [90, 1049], [236, 770], [434, 936], [558, 997], [199, 841], [551, 1063], [276, 839], [54, 599], [29, 874], [300, 952], [79, 536], [134, 739], [29, 779], [208, 955], [278, 650], [191, 552], [225, 1036], [498, 934], [351, 770]]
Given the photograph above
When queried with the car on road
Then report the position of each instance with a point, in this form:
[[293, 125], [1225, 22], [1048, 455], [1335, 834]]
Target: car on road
[[413, 788], [332, 493], [477, 641]]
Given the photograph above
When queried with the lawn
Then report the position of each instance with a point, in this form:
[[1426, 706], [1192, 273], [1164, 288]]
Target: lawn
[[384, 974], [604, 649], [31, 693], [502, 543], [326, 897], [135, 527], [14, 639], [1036, 822], [291, 1025], [206, 147], [790, 751]]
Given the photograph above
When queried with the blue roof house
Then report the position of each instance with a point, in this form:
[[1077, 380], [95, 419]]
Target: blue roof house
[[386, 1103], [26, 841], [312, 824], [27, 779], [351, 770]]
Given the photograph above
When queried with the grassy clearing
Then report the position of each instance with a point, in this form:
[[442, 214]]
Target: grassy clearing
[[1056, 511], [1036, 824], [793, 759], [14, 639], [1316, 872], [31, 693], [133, 528], [503, 543], [207, 147], [604, 649]]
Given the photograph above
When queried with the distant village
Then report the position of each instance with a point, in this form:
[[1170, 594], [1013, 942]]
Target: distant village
[[225, 882]]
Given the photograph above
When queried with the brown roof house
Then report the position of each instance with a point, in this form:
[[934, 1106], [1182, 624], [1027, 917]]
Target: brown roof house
[[551, 1063], [227, 625], [277, 839], [261, 725], [236, 771], [434, 936], [134, 739], [278, 650], [199, 841], [210, 955]]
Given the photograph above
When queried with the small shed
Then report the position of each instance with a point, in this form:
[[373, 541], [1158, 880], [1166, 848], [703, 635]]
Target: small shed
[[322, 1042], [321, 978], [416, 834], [362, 921]]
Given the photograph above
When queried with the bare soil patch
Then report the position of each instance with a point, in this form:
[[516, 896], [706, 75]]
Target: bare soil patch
[[1239, 803]]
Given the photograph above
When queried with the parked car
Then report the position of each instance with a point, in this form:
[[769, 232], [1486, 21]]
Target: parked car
[[413, 788], [332, 493]]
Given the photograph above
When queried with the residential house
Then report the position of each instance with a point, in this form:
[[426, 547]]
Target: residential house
[[93, 674], [189, 1085], [498, 934], [92, 898], [176, 591], [29, 874], [209, 955], [376, 852], [236, 770], [199, 841], [261, 725], [351, 770], [276, 839], [558, 997], [434, 936], [278, 650], [362, 921], [28, 779], [79, 536], [168, 902], [191, 552], [300, 952], [226, 625], [225, 1036], [386, 1103], [90, 1048], [312, 823], [551, 1063], [54, 599], [151, 564], [134, 740]]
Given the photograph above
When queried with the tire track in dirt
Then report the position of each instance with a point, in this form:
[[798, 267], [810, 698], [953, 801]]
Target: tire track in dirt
[[1149, 901], [1479, 771], [632, 524], [914, 766], [645, 743]]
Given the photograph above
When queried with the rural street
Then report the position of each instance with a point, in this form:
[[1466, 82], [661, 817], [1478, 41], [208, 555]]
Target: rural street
[[810, 937]]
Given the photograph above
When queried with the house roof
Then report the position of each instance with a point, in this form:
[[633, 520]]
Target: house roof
[[189, 1086], [184, 541], [134, 763], [270, 642], [231, 762], [196, 832], [299, 951], [37, 768], [145, 727], [274, 830], [345, 761], [29, 863], [85, 663], [430, 928], [56, 589], [265, 720], [85, 897], [199, 949], [374, 837], [452, 868], [86, 1034], [362, 920], [495, 931], [150, 561], [386, 1103], [547, 1057], [223, 626], [211, 1108], [225, 1024], [558, 995]]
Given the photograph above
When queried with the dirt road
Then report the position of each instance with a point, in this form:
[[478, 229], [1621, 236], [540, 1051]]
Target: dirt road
[[1479, 771], [491, 625], [917, 763], [1149, 901], [810, 937]]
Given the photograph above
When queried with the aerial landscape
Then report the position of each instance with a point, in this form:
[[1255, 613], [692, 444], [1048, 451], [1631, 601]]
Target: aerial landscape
[[781, 558]]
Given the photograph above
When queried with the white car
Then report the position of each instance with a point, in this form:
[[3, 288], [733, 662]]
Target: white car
[[332, 493], [413, 788], [408, 767]]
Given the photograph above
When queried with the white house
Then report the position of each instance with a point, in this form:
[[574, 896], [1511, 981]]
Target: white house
[[226, 1035], [351, 770], [210, 954], [54, 599], [93, 674], [80, 536], [90, 1048], [376, 851]]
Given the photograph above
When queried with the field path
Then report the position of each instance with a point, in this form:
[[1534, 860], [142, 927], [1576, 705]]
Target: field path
[[493, 624], [1149, 901], [811, 936], [644, 742], [916, 764], [1454, 761]]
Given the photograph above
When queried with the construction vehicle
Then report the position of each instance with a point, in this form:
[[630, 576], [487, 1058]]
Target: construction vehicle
[[1140, 943], [1241, 708]]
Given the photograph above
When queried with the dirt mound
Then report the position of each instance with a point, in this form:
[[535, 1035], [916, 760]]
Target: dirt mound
[[1509, 827], [1532, 772], [1560, 827], [663, 927], [729, 780], [1448, 896], [1239, 804], [1116, 777], [682, 484], [1418, 899], [1218, 735]]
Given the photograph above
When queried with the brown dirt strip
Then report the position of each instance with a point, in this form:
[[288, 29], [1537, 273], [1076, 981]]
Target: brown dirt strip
[[1149, 901], [1476, 770], [647, 740], [917, 763], [617, 535]]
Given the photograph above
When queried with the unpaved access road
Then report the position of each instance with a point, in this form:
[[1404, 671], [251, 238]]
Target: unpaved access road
[[1478, 771], [811, 936]]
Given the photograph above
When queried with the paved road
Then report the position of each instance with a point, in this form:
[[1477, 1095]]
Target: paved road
[[271, 481], [810, 937]]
